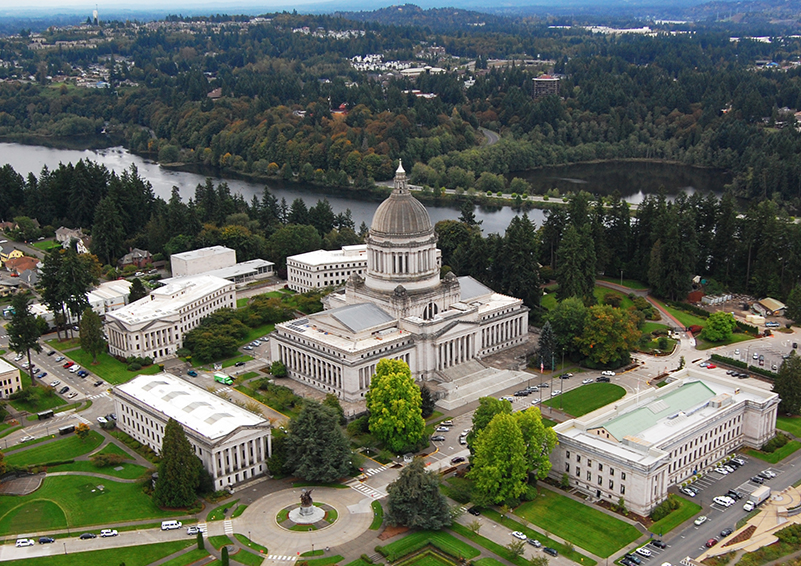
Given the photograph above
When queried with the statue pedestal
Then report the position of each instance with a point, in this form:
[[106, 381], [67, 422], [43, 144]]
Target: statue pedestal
[[306, 515]]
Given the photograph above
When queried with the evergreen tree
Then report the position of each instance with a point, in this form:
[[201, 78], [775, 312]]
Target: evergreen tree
[[179, 476], [788, 385], [316, 448], [521, 270], [415, 501], [107, 231], [54, 294], [224, 560], [567, 319], [794, 304], [138, 290], [23, 331], [547, 345], [576, 272], [332, 402], [394, 405], [427, 403], [91, 335]]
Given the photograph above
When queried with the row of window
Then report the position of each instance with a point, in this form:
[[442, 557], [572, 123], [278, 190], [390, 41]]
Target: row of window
[[589, 465], [600, 478]]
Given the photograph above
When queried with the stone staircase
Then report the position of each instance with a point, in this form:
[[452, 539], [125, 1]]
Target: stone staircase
[[471, 383]]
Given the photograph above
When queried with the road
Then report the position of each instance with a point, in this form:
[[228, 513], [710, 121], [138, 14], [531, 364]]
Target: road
[[492, 137]]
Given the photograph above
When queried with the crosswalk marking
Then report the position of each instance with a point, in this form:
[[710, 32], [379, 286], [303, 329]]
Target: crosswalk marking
[[366, 490], [99, 395], [202, 527], [281, 557], [228, 526]]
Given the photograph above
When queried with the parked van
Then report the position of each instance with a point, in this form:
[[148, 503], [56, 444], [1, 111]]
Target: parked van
[[222, 378], [170, 525]]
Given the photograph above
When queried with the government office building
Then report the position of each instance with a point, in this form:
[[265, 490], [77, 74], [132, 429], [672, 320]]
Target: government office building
[[325, 268], [639, 446], [154, 326], [232, 443]]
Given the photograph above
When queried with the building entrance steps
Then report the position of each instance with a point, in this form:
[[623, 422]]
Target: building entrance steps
[[483, 383]]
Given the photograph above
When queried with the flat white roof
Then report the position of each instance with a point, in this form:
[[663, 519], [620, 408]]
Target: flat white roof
[[202, 252], [325, 257], [5, 366], [110, 290], [240, 269], [195, 408], [170, 299]]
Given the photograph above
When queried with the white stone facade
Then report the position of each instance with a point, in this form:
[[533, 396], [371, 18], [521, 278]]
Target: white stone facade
[[202, 260], [154, 326], [109, 296], [9, 379], [232, 443], [324, 268], [399, 309], [643, 444]]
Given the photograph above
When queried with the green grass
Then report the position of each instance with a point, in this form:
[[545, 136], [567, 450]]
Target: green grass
[[684, 318], [378, 515], [258, 332], [238, 511], [249, 375], [75, 501], [64, 345], [601, 292], [548, 301], [649, 327], [444, 541], [587, 398], [281, 516], [331, 515], [128, 471], [427, 558], [247, 558], [250, 544], [129, 555], [219, 541], [65, 448], [188, 558], [501, 551], [687, 509], [310, 553], [582, 525], [488, 562], [630, 283], [112, 448], [702, 344], [109, 368], [778, 455], [434, 416], [45, 245], [789, 424], [358, 562], [324, 561], [548, 422], [43, 398], [242, 302], [218, 514]]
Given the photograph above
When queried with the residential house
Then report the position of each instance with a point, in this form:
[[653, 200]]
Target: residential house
[[29, 277], [19, 264], [8, 251], [66, 235], [137, 257]]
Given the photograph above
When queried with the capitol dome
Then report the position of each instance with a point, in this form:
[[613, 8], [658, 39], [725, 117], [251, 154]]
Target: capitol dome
[[401, 214]]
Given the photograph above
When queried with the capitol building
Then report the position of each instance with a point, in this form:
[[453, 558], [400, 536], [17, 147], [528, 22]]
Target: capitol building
[[400, 308]]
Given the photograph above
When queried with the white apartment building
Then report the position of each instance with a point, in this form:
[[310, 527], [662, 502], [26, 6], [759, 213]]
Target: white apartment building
[[109, 296], [9, 379], [154, 326], [199, 261], [639, 446], [232, 443], [324, 268]]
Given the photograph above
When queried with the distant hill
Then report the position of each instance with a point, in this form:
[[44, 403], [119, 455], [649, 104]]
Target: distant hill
[[438, 19]]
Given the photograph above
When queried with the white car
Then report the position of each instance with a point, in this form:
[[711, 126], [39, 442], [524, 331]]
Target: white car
[[722, 471], [769, 473], [518, 534], [24, 542], [700, 520], [608, 373], [556, 392], [56, 383], [102, 420], [108, 533], [688, 492], [642, 551], [25, 439], [59, 359], [586, 381], [724, 501], [535, 401], [749, 506], [75, 368], [72, 395], [737, 351]]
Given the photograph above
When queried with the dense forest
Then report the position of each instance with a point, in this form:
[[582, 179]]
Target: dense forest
[[695, 97]]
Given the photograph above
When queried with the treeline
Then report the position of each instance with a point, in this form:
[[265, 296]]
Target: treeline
[[121, 212]]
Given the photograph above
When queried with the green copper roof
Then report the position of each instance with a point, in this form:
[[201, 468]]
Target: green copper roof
[[682, 399]]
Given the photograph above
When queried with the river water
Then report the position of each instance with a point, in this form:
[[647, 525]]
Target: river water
[[633, 180]]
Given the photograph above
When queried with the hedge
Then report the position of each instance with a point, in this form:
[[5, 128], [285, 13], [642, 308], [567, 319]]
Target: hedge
[[686, 307], [737, 363]]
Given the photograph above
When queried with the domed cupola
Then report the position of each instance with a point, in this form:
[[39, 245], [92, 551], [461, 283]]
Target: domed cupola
[[401, 244]]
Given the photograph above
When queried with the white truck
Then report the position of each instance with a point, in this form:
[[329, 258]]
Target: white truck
[[759, 495]]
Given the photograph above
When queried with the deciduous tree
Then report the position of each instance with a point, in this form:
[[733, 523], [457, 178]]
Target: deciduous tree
[[179, 475], [394, 405], [609, 335], [316, 448], [92, 340], [415, 499], [488, 407], [82, 431], [539, 440], [719, 327], [568, 318], [499, 467]]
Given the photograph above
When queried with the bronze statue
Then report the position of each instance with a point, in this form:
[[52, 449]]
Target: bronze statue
[[306, 498]]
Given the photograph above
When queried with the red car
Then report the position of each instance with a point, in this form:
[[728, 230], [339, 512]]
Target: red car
[[69, 364], [711, 542], [711, 366]]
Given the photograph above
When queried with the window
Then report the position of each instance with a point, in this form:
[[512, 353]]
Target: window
[[600, 480], [600, 467], [578, 472], [567, 454], [611, 471], [622, 475], [578, 457], [622, 490], [589, 475], [567, 467], [611, 484]]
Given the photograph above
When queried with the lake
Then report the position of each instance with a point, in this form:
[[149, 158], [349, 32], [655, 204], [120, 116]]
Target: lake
[[632, 179]]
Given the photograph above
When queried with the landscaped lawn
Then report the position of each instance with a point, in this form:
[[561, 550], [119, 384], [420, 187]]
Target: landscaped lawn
[[428, 558], [250, 544], [587, 398], [601, 292], [581, 524], [109, 368], [444, 541], [684, 318], [778, 455], [789, 424], [46, 245], [43, 398], [62, 449], [378, 515], [128, 471], [188, 558], [76, 501], [649, 327], [686, 510], [219, 541], [630, 283], [736, 337], [129, 555], [548, 301], [250, 559]]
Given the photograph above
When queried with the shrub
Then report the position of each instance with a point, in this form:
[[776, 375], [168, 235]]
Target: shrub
[[613, 299], [775, 443], [136, 366], [104, 460], [665, 508]]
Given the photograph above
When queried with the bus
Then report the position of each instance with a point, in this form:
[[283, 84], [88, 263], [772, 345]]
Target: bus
[[222, 378], [66, 429], [45, 414]]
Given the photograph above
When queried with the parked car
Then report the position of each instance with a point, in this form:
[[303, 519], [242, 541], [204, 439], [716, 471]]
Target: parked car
[[687, 491], [63, 390], [98, 383], [556, 392], [642, 551], [108, 533], [608, 373], [658, 543], [522, 393], [749, 506], [626, 562], [535, 401], [721, 470], [239, 364], [549, 550], [46, 540], [519, 535], [51, 352], [474, 511], [75, 369], [102, 420], [602, 379], [457, 460], [22, 542], [757, 479], [72, 395], [634, 558], [734, 494], [724, 501], [443, 429], [711, 542], [191, 373], [566, 376], [55, 383], [248, 347], [86, 536], [58, 359], [700, 520], [193, 530], [711, 366], [767, 474], [725, 532], [68, 365], [438, 438], [534, 542], [586, 381]]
